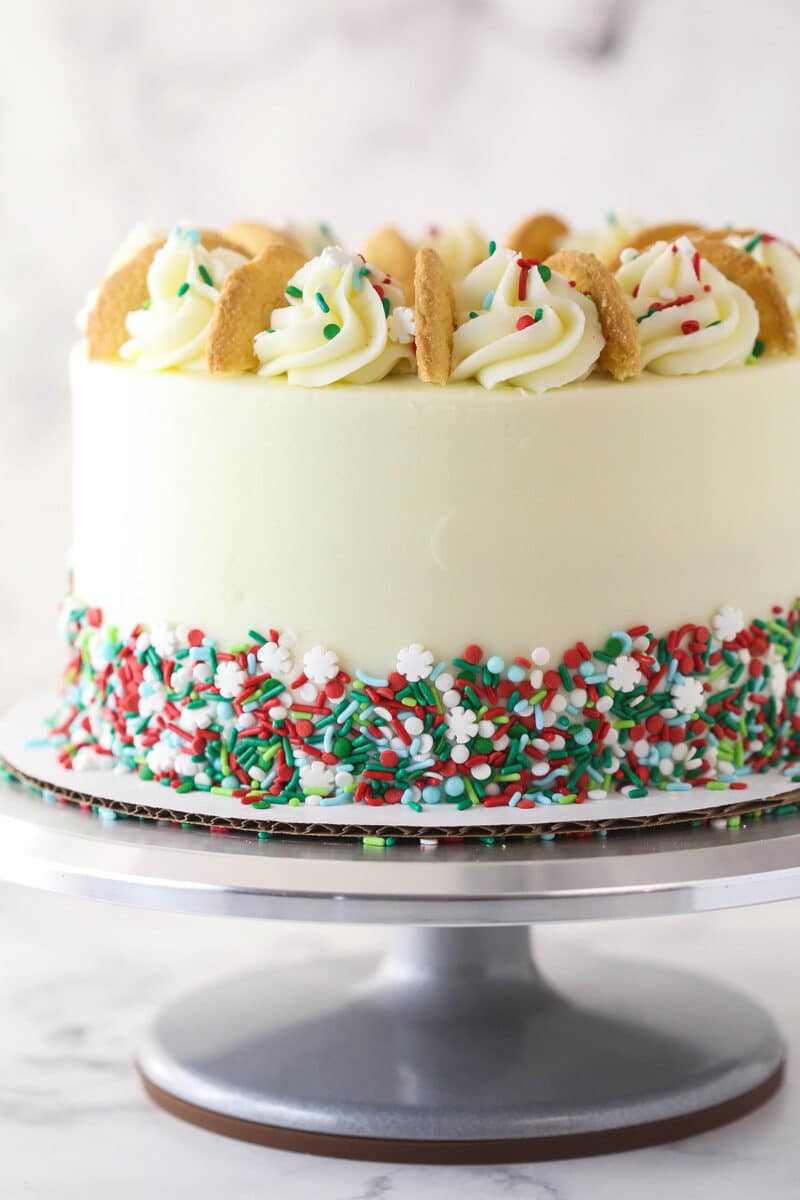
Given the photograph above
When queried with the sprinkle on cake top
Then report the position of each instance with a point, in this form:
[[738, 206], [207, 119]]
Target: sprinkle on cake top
[[536, 313]]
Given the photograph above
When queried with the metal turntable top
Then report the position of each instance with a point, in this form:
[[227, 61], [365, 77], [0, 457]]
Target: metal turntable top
[[157, 865]]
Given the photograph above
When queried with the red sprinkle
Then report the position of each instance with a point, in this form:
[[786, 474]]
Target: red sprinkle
[[690, 326]]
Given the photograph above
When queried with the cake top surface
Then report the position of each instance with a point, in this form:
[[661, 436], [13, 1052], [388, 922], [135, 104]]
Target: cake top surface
[[548, 308]]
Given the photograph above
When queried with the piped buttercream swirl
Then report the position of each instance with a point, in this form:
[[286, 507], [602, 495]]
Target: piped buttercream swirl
[[691, 318], [183, 286], [779, 258], [344, 321], [520, 323], [460, 246]]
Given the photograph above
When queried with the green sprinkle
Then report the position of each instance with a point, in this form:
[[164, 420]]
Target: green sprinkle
[[537, 316], [711, 324], [473, 315], [373, 841], [146, 303], [322, 302], [751, 245], [183, 289], [758, 348], [330, 331], [204, 275], [492, 248], [544, 271], [294, 291]]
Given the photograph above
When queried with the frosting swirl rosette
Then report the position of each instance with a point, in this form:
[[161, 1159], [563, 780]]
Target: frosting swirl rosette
[[344, 322], [521, 323], [691, 318], [460, 247], [779, 258], [605, 242], [183, 286]]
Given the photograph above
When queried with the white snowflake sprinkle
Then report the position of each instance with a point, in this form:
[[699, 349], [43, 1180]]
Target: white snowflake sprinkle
[[162, 639], [688, 696], [461, 725], [161, 758], [275, 658], [624, 673], [316, 775], [320, 665], [401, 325], [229, 678], [192, 719], [728, 623], [414, 662], [181, 677]]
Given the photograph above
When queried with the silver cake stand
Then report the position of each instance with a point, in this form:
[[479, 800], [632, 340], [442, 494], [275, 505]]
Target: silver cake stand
[[453, 1047]]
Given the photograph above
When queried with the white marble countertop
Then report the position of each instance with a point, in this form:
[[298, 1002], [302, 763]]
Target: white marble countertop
[[80, 979]]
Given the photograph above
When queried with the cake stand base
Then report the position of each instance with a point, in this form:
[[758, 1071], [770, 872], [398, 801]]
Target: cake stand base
[[455, 1049]]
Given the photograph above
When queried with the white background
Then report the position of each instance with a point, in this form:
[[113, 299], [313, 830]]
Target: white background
[[358, 113]]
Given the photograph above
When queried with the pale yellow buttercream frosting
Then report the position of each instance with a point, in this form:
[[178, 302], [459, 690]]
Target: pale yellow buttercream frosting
[[521, 323], [343, 321], [183, 286], [691, 317]]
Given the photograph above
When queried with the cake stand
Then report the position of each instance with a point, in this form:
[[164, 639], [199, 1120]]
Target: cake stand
[[453, 1047]]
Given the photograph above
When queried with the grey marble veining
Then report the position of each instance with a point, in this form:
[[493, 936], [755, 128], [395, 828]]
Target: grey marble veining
[[79, 980]]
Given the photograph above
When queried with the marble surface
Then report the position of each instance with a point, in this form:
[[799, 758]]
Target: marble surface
[[80, 979]]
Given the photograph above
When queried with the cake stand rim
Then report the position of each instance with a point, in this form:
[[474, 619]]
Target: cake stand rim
[[61, 848]]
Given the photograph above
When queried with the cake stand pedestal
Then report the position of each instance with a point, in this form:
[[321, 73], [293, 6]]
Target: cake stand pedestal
[[454, 1047]]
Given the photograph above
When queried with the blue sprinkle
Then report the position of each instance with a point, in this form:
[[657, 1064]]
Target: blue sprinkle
[[676, 785], [230, 781], [625, 639], [495, 664], [431, 794], [454, 786], [516, 673], [583, 737], [408, 796], [371, 680], [487, 299]]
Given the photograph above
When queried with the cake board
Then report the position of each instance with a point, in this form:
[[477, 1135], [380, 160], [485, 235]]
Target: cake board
[[455, 1047], [32, 760]]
